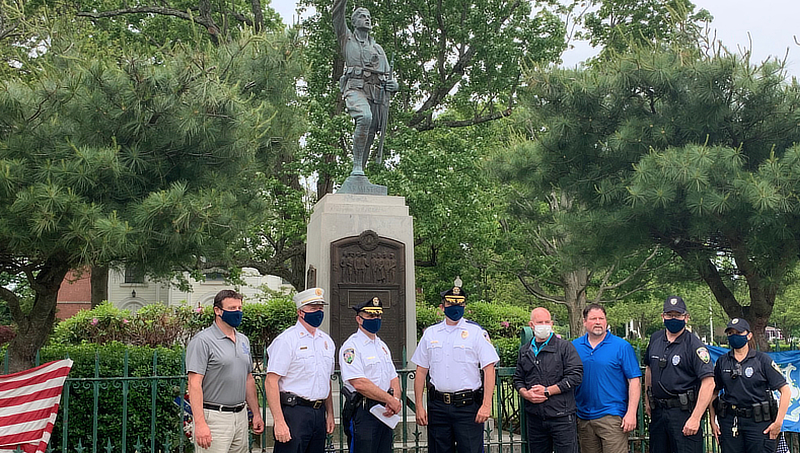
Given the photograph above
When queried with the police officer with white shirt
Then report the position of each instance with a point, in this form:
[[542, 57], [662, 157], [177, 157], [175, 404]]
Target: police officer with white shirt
[[454, 352], [369, 379], [298, 383]]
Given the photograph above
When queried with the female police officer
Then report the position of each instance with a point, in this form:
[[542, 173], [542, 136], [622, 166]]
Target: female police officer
[[749, 419]]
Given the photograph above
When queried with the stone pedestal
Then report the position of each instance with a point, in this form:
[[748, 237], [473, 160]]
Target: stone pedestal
[[359, 247]]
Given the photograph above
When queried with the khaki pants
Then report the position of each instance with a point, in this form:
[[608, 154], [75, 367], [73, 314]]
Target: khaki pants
[[228, 432], [602, 435]]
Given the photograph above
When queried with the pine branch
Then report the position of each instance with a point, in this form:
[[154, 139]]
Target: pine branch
[[537, 291]]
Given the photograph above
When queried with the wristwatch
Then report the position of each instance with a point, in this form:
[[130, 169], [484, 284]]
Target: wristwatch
[[546, 393]]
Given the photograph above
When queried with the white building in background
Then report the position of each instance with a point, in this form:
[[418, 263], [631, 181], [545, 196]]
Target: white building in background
[[131, 290]]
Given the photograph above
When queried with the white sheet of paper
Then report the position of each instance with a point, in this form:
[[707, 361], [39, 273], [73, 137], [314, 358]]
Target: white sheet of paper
[[378, 410]]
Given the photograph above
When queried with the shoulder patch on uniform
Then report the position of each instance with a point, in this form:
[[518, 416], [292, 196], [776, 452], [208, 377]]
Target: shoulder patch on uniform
[[777, 368], [703, 354], [349, 354], [486, 335]]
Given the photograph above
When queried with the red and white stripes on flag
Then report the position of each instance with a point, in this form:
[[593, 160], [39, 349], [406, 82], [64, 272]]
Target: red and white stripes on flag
[[29, 406]]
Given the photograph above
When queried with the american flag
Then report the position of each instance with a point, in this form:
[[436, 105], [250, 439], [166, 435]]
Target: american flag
[[29, 406]]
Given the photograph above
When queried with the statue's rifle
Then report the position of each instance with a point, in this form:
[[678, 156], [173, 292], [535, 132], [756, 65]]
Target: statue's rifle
[[384, 114]]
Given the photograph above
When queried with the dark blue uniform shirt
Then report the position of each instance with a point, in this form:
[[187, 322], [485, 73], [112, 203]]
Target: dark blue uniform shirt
[[747, 382], [679, 366]]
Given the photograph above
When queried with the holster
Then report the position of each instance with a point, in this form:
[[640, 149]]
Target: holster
[[773, 405], [351, 401], [288, 399], [720, 408]]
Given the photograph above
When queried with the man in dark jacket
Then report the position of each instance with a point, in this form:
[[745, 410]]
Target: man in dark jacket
[[548, 370]]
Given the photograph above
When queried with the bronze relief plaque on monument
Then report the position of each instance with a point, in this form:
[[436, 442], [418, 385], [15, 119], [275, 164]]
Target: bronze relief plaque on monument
[[363, 267]]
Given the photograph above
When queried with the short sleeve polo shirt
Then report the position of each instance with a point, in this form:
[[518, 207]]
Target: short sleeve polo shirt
[[606, 371], [223, 364]]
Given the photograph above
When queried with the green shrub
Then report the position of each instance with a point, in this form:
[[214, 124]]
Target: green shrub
[[160, 325], [508, 350], [106, 361]]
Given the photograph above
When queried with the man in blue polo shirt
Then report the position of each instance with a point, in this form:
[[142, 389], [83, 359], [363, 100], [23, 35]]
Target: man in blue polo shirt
[[608, 397]]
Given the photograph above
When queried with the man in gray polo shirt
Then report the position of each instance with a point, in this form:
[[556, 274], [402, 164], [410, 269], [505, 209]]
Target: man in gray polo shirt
[[221, 381]]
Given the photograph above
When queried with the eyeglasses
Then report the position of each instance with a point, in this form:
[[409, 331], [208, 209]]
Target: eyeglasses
[[671, 316]]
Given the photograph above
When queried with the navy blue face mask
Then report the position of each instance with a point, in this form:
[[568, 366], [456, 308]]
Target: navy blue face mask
[[314, 318], [233, 317], [737, 341], [371, 325], [454, 312], [674, 325]]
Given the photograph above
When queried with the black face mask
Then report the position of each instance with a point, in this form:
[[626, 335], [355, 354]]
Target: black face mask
[[674, 325]]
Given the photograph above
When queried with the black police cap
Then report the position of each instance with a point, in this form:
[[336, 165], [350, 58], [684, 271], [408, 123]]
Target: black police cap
[[373, 305]]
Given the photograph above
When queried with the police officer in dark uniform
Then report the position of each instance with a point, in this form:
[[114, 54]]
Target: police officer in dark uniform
[[679, 383], [749, 417], [369, 379]]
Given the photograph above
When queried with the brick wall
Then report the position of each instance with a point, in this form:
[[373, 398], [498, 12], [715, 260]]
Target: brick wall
[[75, 295]]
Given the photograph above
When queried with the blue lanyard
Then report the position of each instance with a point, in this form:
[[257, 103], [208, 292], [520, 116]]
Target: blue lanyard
[[536, 350]]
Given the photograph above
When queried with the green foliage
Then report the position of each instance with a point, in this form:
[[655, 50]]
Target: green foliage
[[455, 206], [508, 350], [158, 325], [694, 154], [460, 57], [151, 162], [619, 25], [109, 361]]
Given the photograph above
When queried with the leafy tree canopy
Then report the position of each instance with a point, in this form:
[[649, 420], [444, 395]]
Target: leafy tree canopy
[[132, 159], [693, 153]]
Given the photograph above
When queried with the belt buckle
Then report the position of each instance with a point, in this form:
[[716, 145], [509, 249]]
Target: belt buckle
[[446, 397], [317, 404]]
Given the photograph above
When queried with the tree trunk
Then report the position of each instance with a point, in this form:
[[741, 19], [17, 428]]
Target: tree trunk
[[33, 328], [99, 284], [575, 283], [762, 297]]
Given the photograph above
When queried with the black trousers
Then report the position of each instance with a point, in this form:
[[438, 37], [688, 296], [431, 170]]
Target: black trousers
[[559, 434], [453, 429], [666, 432], [307, 427], [367, 434], [751, 438]]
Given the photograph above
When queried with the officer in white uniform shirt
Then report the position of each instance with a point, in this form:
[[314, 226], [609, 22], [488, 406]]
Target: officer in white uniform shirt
[[298, 383], [369, 379], [454, 352]]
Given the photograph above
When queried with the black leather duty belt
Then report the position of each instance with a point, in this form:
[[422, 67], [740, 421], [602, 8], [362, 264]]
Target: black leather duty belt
[[460, 398], [290, 399], [221, 408]]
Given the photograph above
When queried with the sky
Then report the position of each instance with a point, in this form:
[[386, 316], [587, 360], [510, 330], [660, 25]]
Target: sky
[[771, 25]]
